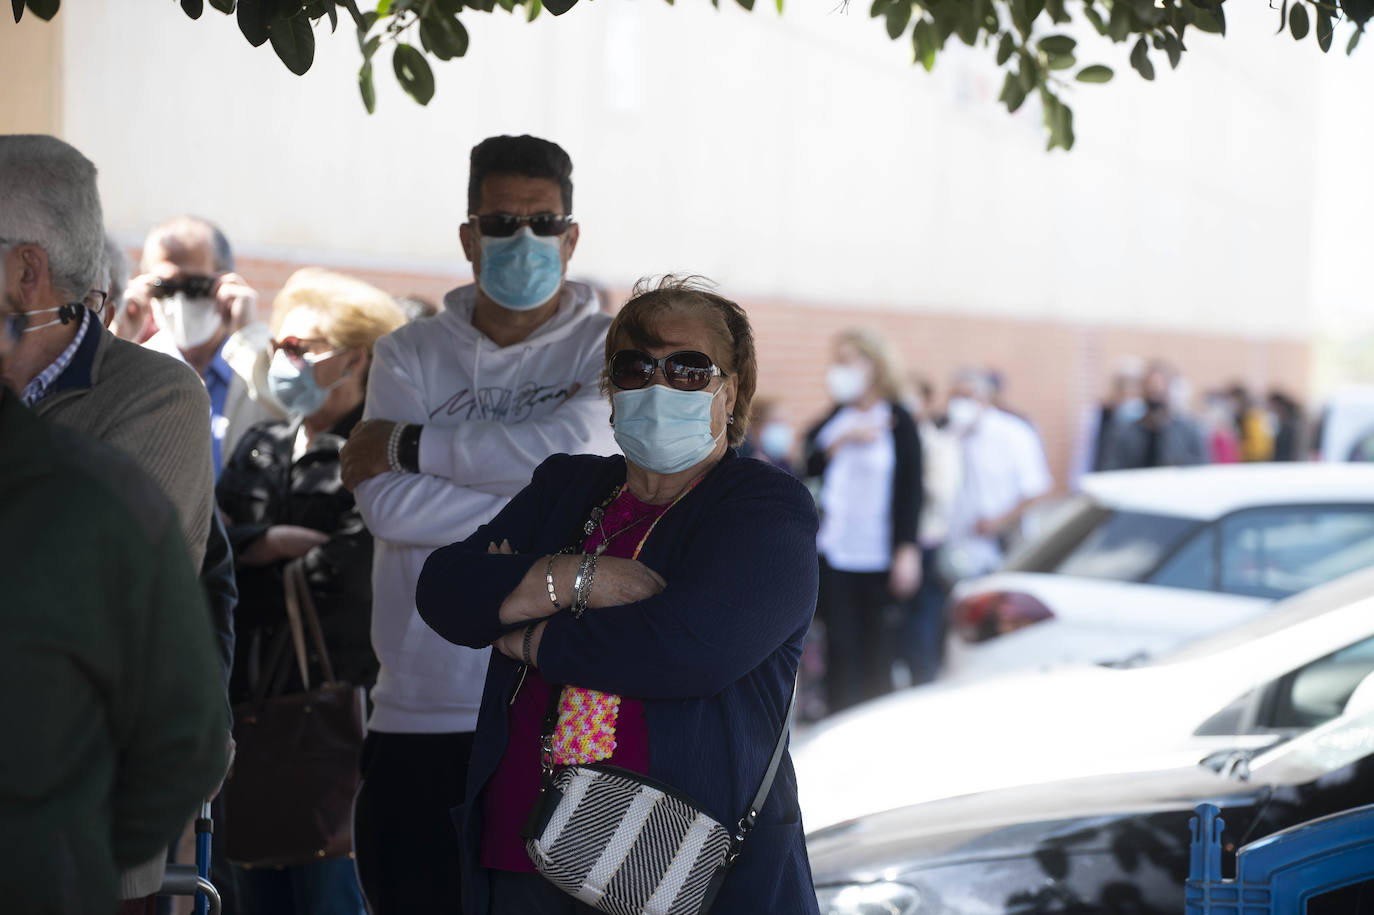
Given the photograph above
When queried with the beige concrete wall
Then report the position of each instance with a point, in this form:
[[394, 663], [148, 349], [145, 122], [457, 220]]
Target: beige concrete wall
[[31, 72]]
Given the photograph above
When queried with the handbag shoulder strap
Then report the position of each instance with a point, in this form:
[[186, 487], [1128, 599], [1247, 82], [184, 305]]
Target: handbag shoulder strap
[[746, 822], [300, 609]]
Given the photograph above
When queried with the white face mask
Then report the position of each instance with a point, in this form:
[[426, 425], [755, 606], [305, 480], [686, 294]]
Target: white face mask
[[847, 382], [663, 429], [962, 413], [191, 322]]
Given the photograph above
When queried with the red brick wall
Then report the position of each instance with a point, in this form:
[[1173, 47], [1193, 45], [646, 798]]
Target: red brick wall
[[1053, 369]]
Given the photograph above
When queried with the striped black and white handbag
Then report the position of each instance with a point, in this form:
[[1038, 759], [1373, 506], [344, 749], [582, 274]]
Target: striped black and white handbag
[[626, 844]]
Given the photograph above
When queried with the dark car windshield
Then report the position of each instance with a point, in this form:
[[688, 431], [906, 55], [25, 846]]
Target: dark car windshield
[[1095, 542]]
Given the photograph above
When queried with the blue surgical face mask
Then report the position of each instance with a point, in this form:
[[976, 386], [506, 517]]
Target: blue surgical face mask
[[775, 440], [523, 271], [295, 387], [663, 429]]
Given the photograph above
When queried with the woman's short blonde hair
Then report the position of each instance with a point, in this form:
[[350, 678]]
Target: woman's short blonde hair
[[635, 326], [353, 314], [887, 366]]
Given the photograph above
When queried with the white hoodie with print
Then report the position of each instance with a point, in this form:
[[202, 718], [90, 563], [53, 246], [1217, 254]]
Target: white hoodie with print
[[491, 415]]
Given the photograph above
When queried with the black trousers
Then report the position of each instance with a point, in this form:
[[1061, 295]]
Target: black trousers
[[531, 894], [859, 650], [403, 836]]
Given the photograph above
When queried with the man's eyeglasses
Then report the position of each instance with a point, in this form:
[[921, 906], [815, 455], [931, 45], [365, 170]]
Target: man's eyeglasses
[[195, 287], [298, 349], [686, 370], [503, 225]]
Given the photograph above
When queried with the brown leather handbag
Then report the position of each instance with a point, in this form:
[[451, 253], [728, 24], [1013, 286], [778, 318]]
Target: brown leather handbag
[[289, 797]]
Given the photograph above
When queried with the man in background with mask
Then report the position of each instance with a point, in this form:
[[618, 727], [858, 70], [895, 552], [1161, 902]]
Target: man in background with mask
[[1004, 473], [461, 408], [1156, 436], [203, 311]]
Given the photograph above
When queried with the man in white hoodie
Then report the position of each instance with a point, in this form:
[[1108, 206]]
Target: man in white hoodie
[[461, 408]]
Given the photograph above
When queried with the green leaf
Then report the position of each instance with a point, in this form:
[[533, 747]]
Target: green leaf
[[1012, 94], [365, 87], [879, 8], [224, 6], [1354, 40], [747, 4], [1326, 29], [1062, 61], [898, 18], [460, 33], [413, 73], [1119, 27], [1028, 73], [927, 43], [383, 8], [437, 38], [779, 7], [1005, 48], [559, 7], [1297, 21], [532, 9], [1057, 44], [1097, 73], [193, 8], [43, 9], [294, 42], [1283, 17], [1213, 21], [253, 18], [1358, 11], [1173, 46], [1093, 16], [1140, 59], [1058, 14], [449, 7]]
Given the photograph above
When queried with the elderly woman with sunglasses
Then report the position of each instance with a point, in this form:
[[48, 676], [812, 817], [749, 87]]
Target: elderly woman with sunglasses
[[657, 603], [282, 499]]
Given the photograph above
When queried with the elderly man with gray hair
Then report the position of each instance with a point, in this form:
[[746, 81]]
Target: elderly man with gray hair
[[1004, 474], [71, 372]]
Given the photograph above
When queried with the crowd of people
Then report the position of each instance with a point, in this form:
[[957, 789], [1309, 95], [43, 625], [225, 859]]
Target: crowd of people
[[526, 530]]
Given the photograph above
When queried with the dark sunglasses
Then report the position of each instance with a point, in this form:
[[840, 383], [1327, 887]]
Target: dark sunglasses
[[195, 287], [687, 370], [504, 225], [298, 347]]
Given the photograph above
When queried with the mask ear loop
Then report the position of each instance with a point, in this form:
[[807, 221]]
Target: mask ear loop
[[66, 314]]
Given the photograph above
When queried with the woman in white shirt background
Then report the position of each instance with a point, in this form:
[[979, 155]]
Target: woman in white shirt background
[[867, 453]]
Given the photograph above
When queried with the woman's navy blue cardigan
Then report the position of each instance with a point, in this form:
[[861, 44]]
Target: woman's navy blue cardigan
[[713, 657]]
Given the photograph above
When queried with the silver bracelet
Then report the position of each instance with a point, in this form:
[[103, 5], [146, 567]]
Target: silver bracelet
[[548, 582], [393, 447], [582, 589]]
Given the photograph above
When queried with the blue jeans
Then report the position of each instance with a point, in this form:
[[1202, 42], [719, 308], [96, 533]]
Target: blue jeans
[[320, 888]]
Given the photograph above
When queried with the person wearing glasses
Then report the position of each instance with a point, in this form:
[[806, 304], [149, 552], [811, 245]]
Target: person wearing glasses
[[667, 592], [283, 499], [204, 315], [461, 408]]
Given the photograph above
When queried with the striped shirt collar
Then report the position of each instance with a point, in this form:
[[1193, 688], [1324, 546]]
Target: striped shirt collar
[[42, 384]]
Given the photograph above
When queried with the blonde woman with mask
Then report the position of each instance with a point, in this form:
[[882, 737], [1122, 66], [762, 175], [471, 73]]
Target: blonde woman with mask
[[867, 453]]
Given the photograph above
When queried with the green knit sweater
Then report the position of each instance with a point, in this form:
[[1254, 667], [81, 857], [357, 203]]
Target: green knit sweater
[[113, 719]]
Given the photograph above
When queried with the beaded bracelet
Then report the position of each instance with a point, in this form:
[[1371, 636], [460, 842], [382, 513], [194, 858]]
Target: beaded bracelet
[[525, 644], [548, 583], [393, 447]]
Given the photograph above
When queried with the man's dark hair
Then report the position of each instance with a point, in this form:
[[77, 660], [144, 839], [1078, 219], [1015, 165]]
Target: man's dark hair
[[523, 155]]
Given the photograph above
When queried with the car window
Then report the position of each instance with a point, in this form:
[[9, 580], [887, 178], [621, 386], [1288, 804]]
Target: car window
[[1193, 566], [1275, 552], [1126, 545], [1318, 692]]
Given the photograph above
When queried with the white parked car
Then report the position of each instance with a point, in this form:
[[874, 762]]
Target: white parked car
[[1260, 682], [1144, 560]]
